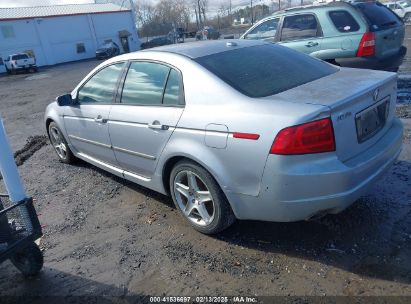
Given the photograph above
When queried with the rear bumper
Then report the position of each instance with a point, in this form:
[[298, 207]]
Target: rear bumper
[[294, 188], [391, 63], [30, 66]]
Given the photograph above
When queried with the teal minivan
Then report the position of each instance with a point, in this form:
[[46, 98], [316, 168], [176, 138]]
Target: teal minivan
[[358, 34]]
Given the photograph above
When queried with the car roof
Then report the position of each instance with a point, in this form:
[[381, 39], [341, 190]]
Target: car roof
[[204, 48], [313, 7]]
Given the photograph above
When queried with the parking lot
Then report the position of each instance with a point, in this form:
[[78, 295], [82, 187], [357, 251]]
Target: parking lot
[[106, 236]]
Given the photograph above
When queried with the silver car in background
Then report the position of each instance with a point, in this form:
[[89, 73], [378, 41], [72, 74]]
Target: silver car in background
[[233, 129]]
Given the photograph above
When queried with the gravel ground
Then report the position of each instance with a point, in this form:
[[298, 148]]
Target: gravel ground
[[106, 236]]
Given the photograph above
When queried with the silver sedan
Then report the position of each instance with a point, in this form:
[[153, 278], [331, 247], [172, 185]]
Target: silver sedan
[[233, 129]]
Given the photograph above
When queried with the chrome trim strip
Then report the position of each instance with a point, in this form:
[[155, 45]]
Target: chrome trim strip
[[128, 174], [101, 164], [90, 141], [134, 153]]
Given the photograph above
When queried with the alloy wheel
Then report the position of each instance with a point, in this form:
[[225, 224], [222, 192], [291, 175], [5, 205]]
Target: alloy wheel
[[58, 143], [194, 198]]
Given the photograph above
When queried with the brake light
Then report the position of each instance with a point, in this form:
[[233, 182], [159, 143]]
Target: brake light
[[312, 137], [367, 45]]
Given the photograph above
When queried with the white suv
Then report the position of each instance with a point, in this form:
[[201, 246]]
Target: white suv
[[18, 62], [401, 8]]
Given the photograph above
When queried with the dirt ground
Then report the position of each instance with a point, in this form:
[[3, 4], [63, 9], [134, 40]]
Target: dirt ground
[[106, 236]]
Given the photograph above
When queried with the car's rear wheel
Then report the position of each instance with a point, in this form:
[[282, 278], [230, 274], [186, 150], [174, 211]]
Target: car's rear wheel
[[199, 198], [8, 71], [60, 144]]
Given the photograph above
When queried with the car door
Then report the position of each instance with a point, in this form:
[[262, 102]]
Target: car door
[[301, 32], [86, 120], [266, 31], [149, 108]]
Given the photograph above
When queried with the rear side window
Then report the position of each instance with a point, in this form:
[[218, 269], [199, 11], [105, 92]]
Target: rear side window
[[172, 93], [378, 16], [343, 21], [300, 27], [19, 57], [265, 70], [144, 84]]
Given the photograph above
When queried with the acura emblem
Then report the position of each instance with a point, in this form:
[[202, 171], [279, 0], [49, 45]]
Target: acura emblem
[[375, 95]]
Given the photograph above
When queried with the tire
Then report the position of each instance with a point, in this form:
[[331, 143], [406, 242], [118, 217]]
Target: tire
[[60, 144], [8, 71], [214, 213], [13, 71], [29, 260]]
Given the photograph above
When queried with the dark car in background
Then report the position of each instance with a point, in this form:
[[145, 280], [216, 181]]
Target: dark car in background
[[208, 33], [159, 41], [107, 50]]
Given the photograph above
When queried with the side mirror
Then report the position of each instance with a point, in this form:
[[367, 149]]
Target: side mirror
[[64, 100]]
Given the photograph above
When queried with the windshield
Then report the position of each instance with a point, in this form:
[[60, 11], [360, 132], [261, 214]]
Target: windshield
[[106, 45], [265, 70], [378, 16]]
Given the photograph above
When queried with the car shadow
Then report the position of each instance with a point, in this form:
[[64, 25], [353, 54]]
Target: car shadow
[[370, 238]]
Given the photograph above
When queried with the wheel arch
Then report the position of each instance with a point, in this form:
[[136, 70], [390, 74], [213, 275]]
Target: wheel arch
[[172, 161]]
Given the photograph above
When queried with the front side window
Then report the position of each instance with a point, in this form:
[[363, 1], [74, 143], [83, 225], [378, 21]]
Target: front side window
[[265, 31], [299, 27], [344, 21], [144, 83], [101, 87]]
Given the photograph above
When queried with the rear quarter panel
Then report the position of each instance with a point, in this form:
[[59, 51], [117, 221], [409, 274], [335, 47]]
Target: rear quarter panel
[[237, 166]]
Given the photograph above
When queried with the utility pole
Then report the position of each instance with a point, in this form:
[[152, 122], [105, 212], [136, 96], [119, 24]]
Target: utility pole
[[133, 14], [252, 15], [231, 16]]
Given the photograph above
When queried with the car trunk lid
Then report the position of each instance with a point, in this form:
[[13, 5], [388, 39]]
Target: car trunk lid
[[361, 104]]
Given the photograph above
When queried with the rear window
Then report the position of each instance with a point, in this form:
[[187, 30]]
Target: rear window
[[378, 16], [344, 21], [18, 57], [265, 70]]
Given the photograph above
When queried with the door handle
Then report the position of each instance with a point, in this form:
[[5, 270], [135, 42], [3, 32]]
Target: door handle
[[311, 44], [156, 125], [100, 119]]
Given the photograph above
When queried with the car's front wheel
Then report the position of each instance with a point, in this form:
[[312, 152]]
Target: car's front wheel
[[199, 198], [59, 144]]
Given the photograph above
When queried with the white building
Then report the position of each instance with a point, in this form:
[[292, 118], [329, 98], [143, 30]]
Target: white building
[[62, 33]]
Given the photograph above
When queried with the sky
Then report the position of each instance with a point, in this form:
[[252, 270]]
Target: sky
[[214, 4]]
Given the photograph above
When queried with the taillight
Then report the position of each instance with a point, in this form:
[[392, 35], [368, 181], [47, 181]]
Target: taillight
[[367, 45], [312, 137]]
